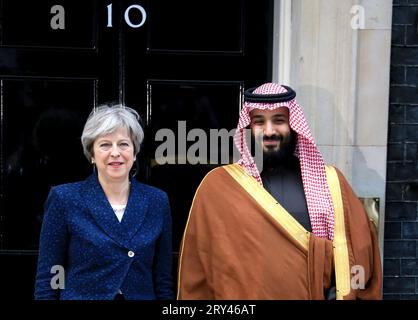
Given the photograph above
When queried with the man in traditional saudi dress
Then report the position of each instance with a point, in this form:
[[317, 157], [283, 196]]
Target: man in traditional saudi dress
[[294, 231]]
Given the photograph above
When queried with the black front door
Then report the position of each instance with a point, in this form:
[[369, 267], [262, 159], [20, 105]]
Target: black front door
[[182, 64]]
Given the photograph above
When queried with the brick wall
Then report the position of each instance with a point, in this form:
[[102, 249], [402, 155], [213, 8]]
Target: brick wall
[[401, 221]]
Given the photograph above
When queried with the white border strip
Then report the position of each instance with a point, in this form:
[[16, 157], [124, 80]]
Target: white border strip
[[282, 31]]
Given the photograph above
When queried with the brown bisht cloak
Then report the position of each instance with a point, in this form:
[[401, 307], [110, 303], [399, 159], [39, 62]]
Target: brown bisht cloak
[[239, 243]]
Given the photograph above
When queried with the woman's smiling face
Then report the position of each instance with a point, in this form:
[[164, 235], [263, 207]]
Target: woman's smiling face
[[113, 155]]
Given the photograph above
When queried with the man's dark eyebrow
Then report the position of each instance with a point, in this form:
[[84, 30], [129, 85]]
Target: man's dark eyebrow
[[258, 116], [279, 115]]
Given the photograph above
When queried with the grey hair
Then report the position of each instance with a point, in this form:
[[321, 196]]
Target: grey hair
[[105, 120]]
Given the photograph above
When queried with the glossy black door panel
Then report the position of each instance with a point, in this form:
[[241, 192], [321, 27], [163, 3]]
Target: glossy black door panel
[[27, 23], [17, 276], [41, 128], [209, 26]]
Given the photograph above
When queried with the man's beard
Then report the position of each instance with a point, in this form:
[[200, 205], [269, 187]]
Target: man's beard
[[274, 156]]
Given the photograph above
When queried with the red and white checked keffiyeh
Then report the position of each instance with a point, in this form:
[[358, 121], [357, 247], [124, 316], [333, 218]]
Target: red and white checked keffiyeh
[[318, 197]]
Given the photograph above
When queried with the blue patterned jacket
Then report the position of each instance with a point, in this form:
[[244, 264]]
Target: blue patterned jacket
[[99, 254]]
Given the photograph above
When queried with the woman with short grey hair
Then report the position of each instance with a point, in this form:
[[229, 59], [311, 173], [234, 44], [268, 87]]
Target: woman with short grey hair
[[105, 119], [110, 234]]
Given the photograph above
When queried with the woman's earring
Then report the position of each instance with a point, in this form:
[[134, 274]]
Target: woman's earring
[[134, 169], [93, 164]]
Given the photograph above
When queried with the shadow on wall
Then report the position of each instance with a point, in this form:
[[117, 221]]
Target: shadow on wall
[[336, 140]]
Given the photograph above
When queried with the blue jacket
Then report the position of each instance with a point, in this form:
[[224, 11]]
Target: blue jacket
[[99, 254]]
